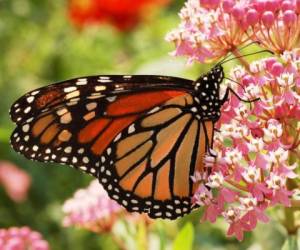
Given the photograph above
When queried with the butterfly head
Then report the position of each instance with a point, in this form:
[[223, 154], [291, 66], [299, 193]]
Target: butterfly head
[[209, 82]]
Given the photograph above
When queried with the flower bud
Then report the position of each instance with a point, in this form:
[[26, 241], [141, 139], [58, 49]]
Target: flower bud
[[252, 17], [289, 17], [238, 12], [277, 69], [228, 5], [268, 19], [287, 5]]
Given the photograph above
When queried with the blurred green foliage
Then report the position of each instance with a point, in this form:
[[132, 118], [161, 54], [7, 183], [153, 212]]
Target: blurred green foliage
[[39, 46]]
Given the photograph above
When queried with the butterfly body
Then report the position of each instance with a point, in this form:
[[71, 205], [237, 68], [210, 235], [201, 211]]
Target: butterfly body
[[141, 136]]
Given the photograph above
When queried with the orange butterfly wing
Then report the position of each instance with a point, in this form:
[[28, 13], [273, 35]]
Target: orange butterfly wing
[[147, 166], [140, 136]]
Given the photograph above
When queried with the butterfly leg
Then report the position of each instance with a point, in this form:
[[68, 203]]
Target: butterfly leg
[[228, 90], [217, 130]]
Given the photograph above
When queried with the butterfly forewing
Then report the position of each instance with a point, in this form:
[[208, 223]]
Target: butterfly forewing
[[73, 122], [90, 88]]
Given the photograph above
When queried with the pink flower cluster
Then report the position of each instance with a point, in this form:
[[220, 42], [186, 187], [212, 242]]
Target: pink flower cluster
[[91, 208], [258, 147], [210, 29], [21, 239]]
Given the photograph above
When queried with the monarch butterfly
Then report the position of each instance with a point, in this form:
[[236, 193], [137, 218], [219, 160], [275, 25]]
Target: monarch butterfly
[[141, 136]]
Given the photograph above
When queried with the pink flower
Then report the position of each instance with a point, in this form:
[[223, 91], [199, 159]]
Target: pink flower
[[258, 146], [211, 213], [15, 181], [251, 172], [210, 29], [237, 227], [202, 196], [22, 239], [91, 208]]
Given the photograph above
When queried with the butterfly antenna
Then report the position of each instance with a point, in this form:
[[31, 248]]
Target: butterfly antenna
[[237, 49], [250, 54]]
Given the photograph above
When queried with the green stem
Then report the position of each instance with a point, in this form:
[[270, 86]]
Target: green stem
[[289, 221], [289, 216], [120, 243]]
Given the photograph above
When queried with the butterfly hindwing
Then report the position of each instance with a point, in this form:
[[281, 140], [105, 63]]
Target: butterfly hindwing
[[147, 166]]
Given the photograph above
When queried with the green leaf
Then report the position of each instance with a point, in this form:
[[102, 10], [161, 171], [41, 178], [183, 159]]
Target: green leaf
[[290, 243], [228, 142], [185, 238]]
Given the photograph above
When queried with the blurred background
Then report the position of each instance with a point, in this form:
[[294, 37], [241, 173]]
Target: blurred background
[[45, 41]]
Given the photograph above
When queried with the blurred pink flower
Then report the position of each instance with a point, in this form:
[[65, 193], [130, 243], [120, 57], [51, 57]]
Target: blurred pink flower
[[91, 208], [22, 239], [15, 181]]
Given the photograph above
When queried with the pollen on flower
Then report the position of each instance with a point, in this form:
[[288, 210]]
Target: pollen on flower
[[251, 174], [278, 156], [231, 214], [203, 196], [256, 144], [273, 130], [215, 180], [286, 80], [248, 203], [275, 181], [233, 156]]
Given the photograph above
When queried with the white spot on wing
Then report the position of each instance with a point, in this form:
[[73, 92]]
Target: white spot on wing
[[61, 111], [104, 80], [35, 92], [111, 99], [91, 106], [100, 88], [82, 81], [27, 110], [131, 129], [70, 89], [73, 94], [68, 150], [26, 128], [30, 99]]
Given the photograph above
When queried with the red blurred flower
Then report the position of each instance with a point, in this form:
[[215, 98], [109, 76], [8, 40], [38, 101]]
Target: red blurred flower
[[123, 14], [15, 181]]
